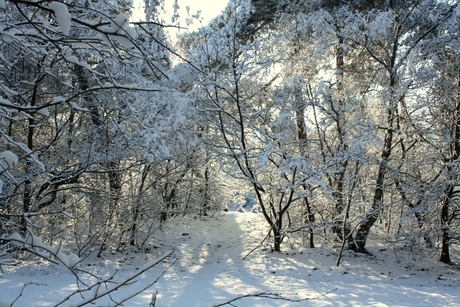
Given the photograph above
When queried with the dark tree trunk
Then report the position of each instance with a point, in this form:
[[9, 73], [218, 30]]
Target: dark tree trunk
[[277, 239], [341, 229], [27, 197], [455, 155], [309, 217], [377, 203], [136, 210], [445, 252]]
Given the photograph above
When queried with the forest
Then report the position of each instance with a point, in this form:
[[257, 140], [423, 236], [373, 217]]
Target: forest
[[337, 121]]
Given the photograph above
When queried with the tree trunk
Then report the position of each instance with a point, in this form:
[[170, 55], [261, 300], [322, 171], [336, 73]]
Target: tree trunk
[[309, 217], [277, 239], [341, 229], [27, 197], [449, 193], [445, 253], [136, 210], [377, 203]]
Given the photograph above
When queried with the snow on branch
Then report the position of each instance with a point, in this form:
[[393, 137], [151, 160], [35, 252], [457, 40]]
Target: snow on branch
[[23, 147], [63, 16], [101, 289], [7, 161], [35, 245]]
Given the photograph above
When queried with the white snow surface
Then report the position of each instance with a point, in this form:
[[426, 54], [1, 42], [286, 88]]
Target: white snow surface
[[7, 160], [210, 271], [63, 16]]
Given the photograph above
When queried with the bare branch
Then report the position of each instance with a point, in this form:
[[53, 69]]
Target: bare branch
[[272, 296]]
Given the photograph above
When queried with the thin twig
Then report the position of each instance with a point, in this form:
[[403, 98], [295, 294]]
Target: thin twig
[[22, 290], [272, 296], [146, 287], [258, 245]]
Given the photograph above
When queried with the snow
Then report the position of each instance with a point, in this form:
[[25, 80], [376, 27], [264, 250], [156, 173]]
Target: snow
[[8, 91], [123, 32], [58, 99], [120, 23], [24, 148], [63, 16], [210, 271], [77, 107], [44, 112], [34, 243], [74, 60], [7, 160]]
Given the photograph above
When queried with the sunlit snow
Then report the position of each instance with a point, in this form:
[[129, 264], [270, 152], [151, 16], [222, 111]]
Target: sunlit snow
[[209, 270]]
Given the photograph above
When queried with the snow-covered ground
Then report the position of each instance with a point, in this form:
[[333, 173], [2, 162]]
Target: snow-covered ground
[[209, 271]]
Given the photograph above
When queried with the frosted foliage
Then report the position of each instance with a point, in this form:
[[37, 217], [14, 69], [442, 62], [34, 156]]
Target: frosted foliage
[[62, 16], [164, 121], [380, 26], [321, 30], [321, 24]]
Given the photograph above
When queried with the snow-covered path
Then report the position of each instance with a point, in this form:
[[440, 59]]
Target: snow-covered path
[[209, 271]]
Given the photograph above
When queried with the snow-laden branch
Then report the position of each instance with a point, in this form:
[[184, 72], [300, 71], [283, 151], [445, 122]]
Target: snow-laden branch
[[24, 148], [97, 293], [35, 245], [54, 254]]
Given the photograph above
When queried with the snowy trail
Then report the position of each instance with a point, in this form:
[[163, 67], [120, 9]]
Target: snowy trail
[[210, 271], [210, 267]]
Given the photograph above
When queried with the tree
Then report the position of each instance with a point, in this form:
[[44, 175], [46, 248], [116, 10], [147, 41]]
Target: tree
[[83, 105], [439, 131]]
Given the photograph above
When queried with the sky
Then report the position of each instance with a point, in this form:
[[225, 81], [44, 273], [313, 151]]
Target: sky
[[209, 10]]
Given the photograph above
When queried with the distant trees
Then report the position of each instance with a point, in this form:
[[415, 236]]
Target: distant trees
[[248, 124]]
